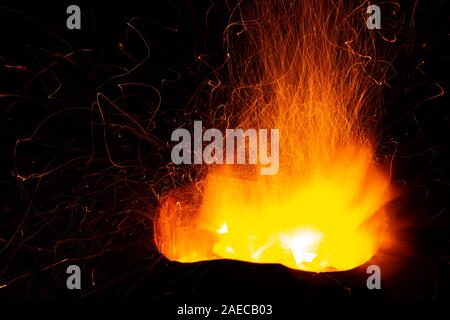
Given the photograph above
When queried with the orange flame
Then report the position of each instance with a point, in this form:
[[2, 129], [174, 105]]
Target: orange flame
[[308, 69]]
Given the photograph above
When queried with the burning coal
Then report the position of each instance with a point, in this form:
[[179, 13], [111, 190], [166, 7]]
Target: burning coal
[[312, 70]]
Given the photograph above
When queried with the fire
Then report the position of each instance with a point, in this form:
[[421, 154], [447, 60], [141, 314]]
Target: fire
[[306, 70]]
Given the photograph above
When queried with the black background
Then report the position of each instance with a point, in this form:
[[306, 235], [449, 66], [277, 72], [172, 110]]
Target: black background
[[93, 205]]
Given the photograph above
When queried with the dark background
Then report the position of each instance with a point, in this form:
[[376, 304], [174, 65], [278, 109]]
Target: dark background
[[80, 183]]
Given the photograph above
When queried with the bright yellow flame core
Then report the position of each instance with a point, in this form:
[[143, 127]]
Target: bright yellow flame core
[[329, 221], [308, 71]]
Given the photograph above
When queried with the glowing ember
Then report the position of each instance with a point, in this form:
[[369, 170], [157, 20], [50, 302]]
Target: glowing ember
[[323, 210]]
